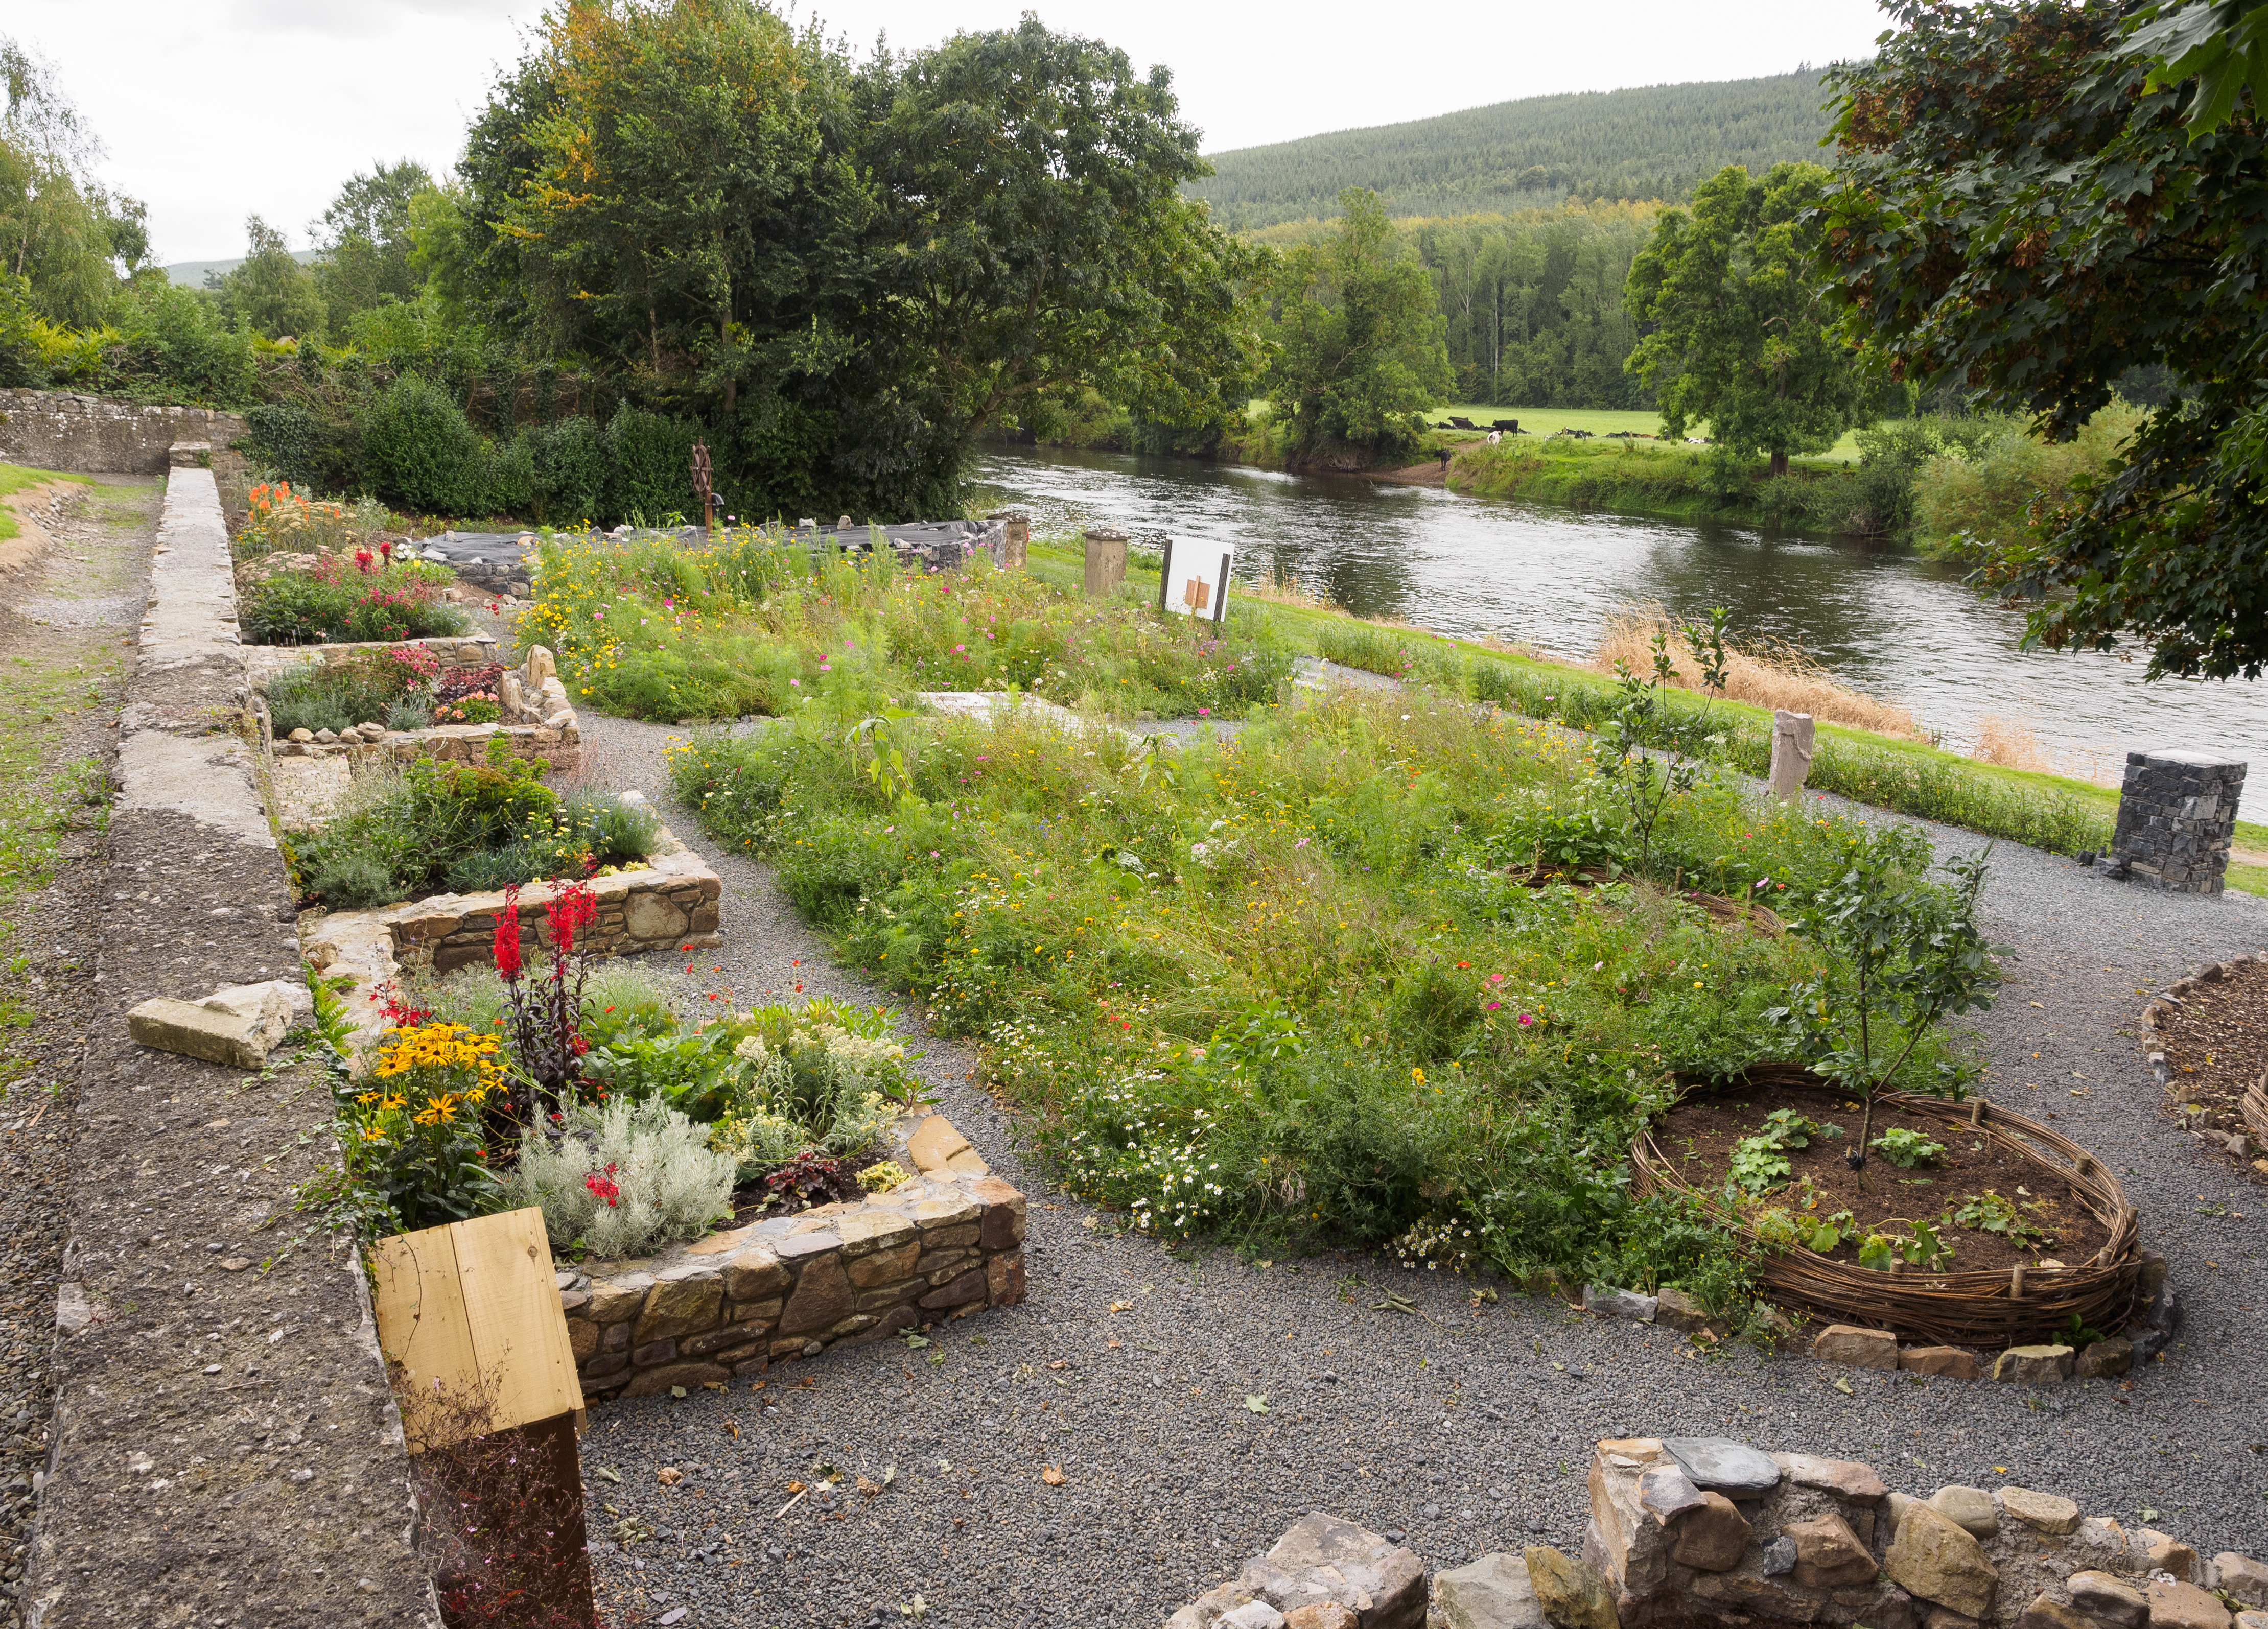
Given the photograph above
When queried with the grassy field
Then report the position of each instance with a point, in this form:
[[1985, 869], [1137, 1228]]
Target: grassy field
[[1606, 421], [16, 478]]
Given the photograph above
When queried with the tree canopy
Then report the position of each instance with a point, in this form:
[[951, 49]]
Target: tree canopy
[[1357, 330], [67, 237], [268, 290], [859, 266], [2032, 205], [1737, 330], [367, 241]]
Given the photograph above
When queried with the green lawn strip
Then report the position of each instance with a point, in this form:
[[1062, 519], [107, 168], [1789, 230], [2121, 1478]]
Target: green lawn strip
[[14, 478]]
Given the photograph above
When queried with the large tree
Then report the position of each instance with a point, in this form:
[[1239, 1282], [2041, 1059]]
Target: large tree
[[367, 241], [853, 268], [1358, 331], [67, 237], [2034, 204], [1736, 328], [268, 290]]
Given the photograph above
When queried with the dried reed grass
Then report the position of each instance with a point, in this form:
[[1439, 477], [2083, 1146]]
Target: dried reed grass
[[2009, 741], [1767, 673]]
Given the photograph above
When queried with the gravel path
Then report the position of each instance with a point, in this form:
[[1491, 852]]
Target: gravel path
[[1143, 1375]]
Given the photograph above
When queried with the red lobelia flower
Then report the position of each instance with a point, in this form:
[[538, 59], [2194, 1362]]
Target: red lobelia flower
[[573, 907], [507, 937]]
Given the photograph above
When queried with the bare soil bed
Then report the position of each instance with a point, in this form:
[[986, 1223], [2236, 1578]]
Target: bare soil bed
[[1699, 1135], [2216, 1047]]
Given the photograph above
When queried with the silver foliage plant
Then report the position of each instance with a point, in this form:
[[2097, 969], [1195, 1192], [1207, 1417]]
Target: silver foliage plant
[[623, 1177]]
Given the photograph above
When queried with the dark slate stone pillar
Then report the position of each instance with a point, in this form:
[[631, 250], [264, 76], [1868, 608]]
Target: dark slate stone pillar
[[2176, 813]]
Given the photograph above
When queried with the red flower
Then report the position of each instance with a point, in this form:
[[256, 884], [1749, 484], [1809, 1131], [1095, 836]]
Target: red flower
[[362, 559], [575, 907], [507, 937], [604, 1187]]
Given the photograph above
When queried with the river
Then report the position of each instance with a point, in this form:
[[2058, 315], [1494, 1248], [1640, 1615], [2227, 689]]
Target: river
[[1876, 615]]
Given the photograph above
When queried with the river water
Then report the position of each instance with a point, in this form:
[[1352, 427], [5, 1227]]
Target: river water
[[1876, 615]]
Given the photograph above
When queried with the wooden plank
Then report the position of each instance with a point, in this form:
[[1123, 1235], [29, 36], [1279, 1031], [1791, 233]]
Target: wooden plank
[[423, 1327], [517, 1330]]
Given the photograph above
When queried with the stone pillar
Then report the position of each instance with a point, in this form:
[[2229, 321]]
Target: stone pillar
[[1793, 735], [1016, 539], [2176, 814], [1106, 562]]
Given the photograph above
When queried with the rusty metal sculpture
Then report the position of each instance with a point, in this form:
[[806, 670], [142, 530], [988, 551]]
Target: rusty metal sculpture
[[704, 487]]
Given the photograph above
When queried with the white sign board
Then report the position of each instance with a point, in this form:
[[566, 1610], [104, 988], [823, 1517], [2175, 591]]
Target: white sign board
[[1195, 583]]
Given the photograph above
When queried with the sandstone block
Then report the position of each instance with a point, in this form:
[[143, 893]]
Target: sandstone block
[[582, 1337], [652, 916], [198, 1031], [760, 1313], [2165, 1553], [1572, 1595], [1714, 1537], [679, 1307], [655, 1382], [949, 1210], [1324, 1559], [1933, 1559], [1858, 1349], [1756, 1597], [822, 1297], [1004, 1279], [2105, 1359], [885, 1266], [951, 1238], [2107, 1600], [870, 1231], [1666, 1492], [1251, 1615], [934, 1142], [1679, 1310], [969, 1287], [2033, 1366], [1004, 1213], [1845, 1478], [2242, 1577], [1951, 1361], [1636, 1491], [654, 1351], [1205, 1610], [1971, 1508], [754, 1274], [1828, 1555], [2043, 1513], [720, 1244], [1322, 1615], [2184, 1606], [941, 1266], [1605, 1301], [2253, 1620], [1491, 1593], [2047, 1612]]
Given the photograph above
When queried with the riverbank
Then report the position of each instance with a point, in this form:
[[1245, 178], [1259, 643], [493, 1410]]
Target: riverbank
[[1629, 478], [2056, 812]]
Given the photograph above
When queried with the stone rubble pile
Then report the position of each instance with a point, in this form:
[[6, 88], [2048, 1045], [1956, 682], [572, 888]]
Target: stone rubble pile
[[1694, 1531]]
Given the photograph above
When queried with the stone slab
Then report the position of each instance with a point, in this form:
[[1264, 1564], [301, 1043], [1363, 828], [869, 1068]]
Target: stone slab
[[1719, 1465]]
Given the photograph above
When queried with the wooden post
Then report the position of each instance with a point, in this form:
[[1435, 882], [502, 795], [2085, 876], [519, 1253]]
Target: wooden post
[[468, 1315], [1106, 562]]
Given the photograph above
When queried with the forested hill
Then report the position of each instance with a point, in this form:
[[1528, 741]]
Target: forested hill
[[1652, 142]]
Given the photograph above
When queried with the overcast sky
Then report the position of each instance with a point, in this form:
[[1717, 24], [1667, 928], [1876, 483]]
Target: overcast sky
[[213, 111]]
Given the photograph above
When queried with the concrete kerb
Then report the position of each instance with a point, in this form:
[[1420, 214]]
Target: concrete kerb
[[225, 1447]]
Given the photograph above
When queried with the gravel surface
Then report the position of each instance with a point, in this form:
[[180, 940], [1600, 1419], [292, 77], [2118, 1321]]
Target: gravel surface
[[1197, 1405]]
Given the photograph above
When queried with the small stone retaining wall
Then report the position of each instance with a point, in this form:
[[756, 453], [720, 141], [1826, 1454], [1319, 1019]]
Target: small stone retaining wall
[[537, 721], [2177, 817], [1697, 1531], [946, 1244], [669, 903]]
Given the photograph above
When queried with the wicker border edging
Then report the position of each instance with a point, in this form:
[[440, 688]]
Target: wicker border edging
[[1984, 1310]]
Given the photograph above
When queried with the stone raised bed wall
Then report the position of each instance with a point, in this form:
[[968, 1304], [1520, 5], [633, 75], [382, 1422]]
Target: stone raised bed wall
[[946, 1244], [672, 902], [543, 725], [1694, 1531]]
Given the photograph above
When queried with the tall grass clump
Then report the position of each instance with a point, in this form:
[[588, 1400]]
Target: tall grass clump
[[1767, 675]]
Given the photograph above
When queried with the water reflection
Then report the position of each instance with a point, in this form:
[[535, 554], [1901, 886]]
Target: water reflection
[[1876, 615]]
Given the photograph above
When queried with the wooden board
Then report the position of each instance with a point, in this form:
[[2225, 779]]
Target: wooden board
[[472, 1309]]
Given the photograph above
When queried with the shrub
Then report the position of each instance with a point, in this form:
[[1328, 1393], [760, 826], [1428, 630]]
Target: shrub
[[651, 466], [1973, 498], [286, 437], [420, 449], [569, 474], [620, 1177]]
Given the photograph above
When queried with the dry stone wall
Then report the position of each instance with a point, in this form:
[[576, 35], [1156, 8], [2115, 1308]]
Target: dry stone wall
[[946, 1244], [60, 430]]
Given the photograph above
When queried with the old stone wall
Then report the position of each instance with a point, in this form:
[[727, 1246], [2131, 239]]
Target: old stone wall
[[224, 1448], [946, 1244], [60, 430]]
